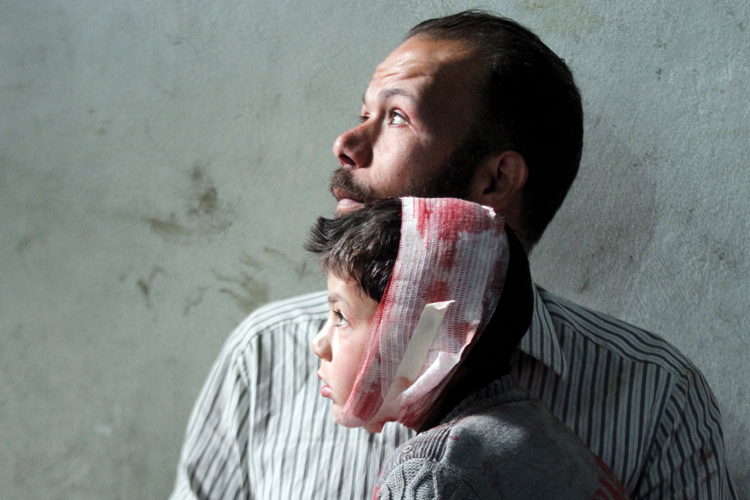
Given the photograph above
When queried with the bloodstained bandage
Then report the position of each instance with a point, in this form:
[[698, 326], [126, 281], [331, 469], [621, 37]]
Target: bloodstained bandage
[[446, 283]]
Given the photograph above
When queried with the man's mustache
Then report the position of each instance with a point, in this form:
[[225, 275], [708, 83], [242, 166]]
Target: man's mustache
[[343, 180]]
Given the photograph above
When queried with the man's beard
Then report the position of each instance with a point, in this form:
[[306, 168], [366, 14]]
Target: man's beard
[[453, 181]]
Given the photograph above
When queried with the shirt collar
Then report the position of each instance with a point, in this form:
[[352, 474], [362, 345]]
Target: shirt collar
[[540, 341]]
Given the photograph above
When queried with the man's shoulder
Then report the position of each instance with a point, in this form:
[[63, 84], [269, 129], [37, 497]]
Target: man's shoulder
[[622, 339], [271, 317]]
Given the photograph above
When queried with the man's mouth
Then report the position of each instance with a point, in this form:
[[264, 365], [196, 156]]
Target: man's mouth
[[347, 202], [351, 196], [346, 205]]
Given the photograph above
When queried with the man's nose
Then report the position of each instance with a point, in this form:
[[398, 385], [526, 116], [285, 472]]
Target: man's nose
[[321, 345], [353, 148]]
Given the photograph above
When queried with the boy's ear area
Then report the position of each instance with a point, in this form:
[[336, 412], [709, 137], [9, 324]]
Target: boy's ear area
[[498, 183]]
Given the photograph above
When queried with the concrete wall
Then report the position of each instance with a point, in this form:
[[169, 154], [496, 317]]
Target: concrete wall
[[160, 163]]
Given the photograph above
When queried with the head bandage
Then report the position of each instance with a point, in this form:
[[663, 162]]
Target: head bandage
[[445, 285]]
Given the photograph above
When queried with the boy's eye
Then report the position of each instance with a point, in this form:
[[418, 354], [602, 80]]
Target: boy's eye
[[340, 318]]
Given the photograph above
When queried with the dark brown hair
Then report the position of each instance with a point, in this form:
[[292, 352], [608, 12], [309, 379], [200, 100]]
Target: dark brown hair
[[528, 103], [362, 244]]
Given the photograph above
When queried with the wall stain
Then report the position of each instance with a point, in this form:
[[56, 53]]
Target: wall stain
[[276, 253], [585, 285], [205, 214], [144, 285], [250, 261], [207, 202], [26, 243], [194, 302], [205, 196], [167, 228], [719, 255], [251, 293], [246, 290], [301, 269], [196, 173]]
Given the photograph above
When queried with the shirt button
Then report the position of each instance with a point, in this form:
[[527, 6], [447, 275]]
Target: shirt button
[[407, 448]]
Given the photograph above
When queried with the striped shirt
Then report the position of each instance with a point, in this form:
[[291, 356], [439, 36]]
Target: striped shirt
[[261, 430]]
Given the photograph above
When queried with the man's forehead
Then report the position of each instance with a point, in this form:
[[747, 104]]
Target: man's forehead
[[427, 55], [424, 61]]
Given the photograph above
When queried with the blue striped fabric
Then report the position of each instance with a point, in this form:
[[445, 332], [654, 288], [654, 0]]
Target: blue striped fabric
[[261, 430]]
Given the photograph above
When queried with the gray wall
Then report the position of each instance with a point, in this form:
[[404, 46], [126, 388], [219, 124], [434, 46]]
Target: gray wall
[[160, 162]]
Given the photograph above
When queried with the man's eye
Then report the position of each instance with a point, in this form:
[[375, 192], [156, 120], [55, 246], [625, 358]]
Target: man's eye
[[396, 118], [363, 118]]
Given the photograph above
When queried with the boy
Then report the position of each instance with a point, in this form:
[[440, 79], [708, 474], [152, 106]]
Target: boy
[[428, 299]]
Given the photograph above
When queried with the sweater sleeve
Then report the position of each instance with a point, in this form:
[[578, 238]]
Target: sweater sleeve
[[424, 479]]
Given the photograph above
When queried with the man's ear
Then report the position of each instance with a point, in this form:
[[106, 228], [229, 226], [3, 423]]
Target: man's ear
[[498, 183]]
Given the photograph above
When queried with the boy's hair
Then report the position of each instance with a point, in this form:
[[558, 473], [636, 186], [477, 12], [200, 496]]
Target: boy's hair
[[362, 245]]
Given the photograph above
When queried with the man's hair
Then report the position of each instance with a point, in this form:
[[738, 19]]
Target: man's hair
[[362, 245], [528, 102]]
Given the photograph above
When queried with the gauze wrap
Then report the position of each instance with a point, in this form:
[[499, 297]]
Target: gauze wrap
[[445, 285]]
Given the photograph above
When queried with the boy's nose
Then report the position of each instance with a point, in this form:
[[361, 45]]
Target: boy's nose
[[320, 345]]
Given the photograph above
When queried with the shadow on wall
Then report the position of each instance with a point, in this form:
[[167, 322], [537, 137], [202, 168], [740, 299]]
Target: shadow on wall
[[593, 247]]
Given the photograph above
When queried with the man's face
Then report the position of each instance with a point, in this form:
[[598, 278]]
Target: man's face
[[416, 113], [341, 343]]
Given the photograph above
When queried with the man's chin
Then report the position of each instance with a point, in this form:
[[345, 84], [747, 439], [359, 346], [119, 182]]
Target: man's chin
[[347, 205]]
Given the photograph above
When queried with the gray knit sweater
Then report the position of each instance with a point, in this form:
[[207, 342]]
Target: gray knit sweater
[[497, 444]]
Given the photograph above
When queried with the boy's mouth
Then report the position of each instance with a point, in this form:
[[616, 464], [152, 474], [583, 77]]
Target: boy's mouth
[[326, 390]]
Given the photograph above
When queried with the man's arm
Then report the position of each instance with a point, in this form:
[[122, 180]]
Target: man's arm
[[686, 458], [214, 454]]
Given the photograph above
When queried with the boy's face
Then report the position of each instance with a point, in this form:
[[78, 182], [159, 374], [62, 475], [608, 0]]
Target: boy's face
[[341, 342]]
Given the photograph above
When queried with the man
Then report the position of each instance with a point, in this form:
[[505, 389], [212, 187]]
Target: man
[[477, 107]]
